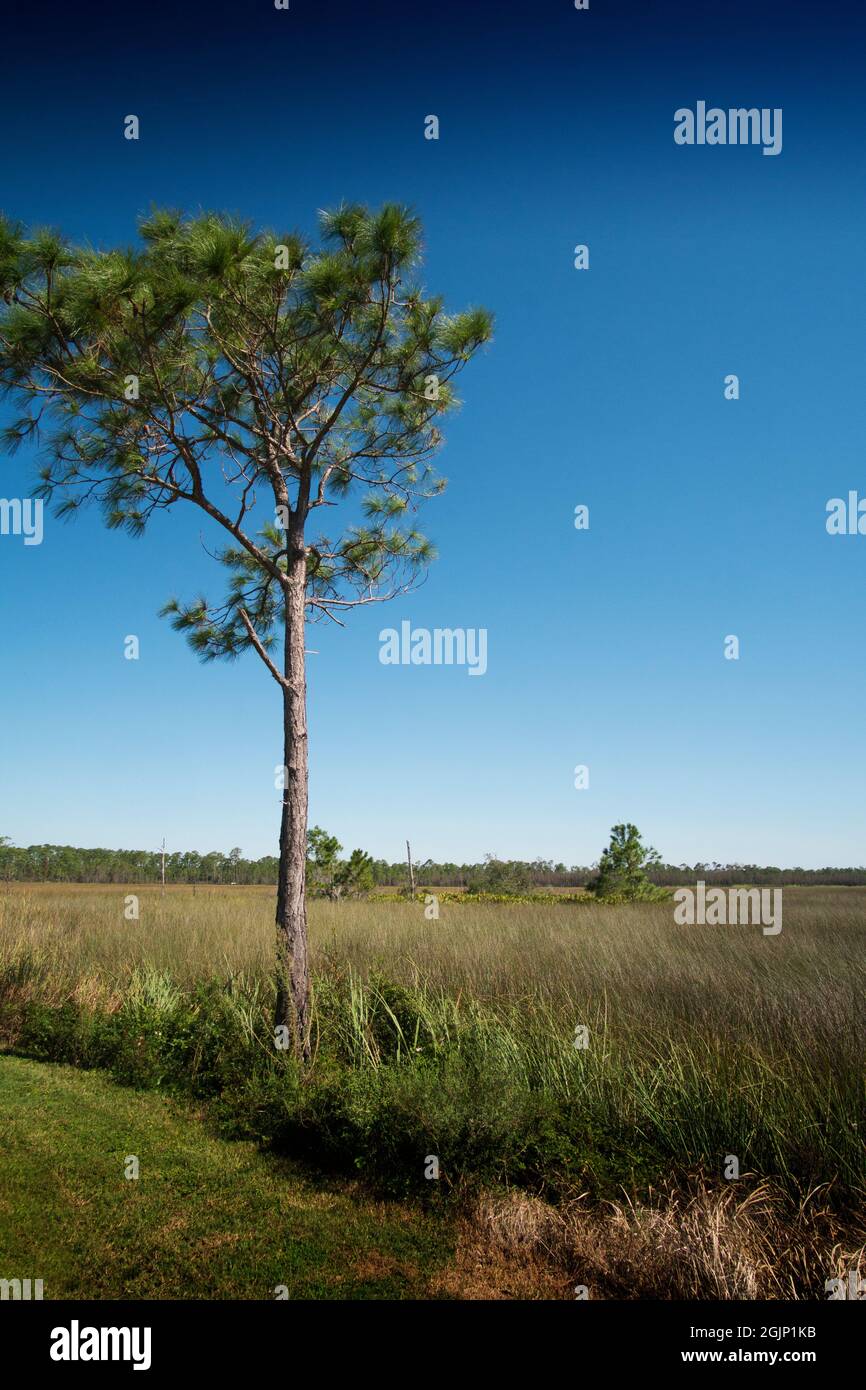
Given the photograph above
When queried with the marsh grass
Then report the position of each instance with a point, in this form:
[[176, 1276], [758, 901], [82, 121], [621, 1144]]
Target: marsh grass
[[457, 1036]]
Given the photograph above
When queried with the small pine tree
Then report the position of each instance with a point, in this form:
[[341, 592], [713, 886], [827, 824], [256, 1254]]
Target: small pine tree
[[622, 869], [328, 875], [355, 874], [322, 861]]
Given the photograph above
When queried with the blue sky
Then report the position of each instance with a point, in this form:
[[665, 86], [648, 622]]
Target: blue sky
[[604, 387]]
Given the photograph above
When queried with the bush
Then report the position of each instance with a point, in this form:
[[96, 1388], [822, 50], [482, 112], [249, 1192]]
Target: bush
[[500, 876]]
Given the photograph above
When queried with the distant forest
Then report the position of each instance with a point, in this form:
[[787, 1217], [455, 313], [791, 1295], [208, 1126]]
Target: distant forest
[[66, 864]]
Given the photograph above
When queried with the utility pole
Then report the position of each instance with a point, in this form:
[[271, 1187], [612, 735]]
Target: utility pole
[[163, 866], [411, 870]]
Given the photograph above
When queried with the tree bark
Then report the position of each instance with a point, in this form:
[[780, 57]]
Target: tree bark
[[293, 976]]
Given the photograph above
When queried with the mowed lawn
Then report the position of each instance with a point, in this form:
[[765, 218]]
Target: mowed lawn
[[206, 1219]]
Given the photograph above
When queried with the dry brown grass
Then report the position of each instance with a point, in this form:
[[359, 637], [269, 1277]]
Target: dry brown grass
[[700, 1243]]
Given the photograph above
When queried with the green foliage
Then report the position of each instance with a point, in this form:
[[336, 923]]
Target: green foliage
[[322, 861], [69, 863], [622, 875], [500, 877], [355, 874], [216, 365], [331, 877], [159, 1037]]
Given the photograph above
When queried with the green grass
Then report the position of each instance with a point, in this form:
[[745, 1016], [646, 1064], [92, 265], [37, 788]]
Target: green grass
[[206, 1219]]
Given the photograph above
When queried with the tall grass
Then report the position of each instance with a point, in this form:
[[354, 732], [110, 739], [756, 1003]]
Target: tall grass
[[457, 1036]]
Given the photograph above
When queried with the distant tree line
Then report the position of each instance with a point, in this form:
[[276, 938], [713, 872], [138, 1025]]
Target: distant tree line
[[497, 875], [68, 864]]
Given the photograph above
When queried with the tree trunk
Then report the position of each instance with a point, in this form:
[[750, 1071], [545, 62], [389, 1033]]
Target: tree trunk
[[293, 976]]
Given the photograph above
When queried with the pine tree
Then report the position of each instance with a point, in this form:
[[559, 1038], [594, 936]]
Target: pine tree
[[261, 379], [622, 869], [355, 875]]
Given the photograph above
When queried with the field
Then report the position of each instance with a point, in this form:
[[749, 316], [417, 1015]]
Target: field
[[611, 1099]]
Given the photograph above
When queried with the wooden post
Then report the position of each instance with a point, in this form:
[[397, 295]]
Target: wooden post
[[411, 870], [163, 866]]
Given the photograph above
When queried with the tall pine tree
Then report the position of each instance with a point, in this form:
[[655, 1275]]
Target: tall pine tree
[[263, 380]]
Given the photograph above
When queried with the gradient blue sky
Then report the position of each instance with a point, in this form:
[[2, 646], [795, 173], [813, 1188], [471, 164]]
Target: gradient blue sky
[[606, 387]]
